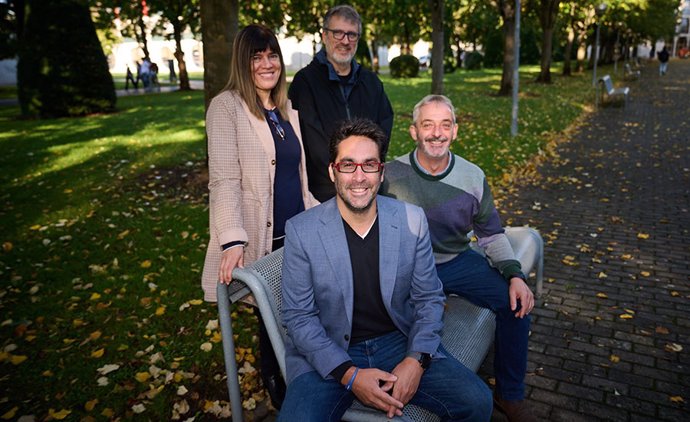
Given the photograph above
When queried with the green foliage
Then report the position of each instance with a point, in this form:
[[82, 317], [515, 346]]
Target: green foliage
[[363, 55], [62, 70], [404, 66], [473, 60]]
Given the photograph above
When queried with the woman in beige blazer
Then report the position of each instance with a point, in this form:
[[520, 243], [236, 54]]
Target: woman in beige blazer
[[257, 176]]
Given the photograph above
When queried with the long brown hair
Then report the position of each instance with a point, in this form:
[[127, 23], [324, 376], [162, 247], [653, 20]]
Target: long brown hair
[[249, 41]]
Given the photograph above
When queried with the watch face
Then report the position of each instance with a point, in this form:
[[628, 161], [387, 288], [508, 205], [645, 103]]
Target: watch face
[[425, 360]]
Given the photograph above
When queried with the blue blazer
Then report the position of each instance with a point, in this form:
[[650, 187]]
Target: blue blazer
[[318, 287]]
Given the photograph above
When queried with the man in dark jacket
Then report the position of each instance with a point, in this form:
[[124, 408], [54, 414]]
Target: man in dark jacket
[[333, 88]]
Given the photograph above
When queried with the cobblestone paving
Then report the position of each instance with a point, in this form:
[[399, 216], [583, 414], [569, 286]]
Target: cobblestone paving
[[610, 336]]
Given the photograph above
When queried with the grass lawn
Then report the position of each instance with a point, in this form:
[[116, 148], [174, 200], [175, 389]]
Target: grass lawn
[[104, 229]]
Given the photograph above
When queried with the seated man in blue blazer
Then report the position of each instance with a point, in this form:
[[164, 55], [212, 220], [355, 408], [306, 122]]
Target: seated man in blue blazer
[[362, 303]]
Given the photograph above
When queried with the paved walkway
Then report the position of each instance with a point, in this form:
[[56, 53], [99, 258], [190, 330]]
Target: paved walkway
[[610, 339]]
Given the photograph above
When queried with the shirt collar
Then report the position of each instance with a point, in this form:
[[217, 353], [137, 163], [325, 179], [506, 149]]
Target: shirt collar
[[332, 74]]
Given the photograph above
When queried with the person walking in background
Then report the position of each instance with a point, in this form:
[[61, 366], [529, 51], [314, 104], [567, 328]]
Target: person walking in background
[[333, 88], [171, 67], [145, 73], [456, 198], [257, 175], [663, 61], [130, 77], [362, 304]]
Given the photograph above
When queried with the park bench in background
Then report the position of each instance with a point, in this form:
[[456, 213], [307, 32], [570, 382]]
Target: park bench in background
[[629, 73], [468, 331], [608, 92]]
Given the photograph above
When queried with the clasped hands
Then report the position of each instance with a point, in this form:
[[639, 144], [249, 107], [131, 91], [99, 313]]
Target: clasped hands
[[388, 392]]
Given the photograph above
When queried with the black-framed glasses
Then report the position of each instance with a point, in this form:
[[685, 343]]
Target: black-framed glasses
[[276, 124], [350, 167], [340, 35]]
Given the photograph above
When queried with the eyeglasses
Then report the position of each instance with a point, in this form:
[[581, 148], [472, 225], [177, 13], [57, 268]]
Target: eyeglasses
[[340, 35], [276, 124], [350, 167]]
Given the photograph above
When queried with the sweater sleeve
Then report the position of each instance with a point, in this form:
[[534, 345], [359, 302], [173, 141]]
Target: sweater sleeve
[[491, 236]]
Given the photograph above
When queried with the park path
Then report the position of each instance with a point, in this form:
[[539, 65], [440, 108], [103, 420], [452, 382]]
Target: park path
[[610, 336]]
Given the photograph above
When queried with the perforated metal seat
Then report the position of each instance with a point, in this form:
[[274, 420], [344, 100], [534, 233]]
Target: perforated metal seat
[[468, 329]]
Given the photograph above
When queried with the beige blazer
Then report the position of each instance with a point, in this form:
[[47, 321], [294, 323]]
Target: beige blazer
[[241, 167]]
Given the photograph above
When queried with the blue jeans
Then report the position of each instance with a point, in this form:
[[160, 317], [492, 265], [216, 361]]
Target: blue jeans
[[447, 388], [469, 275]]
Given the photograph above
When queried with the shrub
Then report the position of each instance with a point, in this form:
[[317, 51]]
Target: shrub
[[473, 60], [404, 66], [62, 70]]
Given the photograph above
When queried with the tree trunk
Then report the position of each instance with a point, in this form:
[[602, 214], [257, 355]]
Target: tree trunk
[[507, 9], [547, 17], [581, 49], [374, 55], [179, 55], [219, 25], [547, 45], [437, 46], [142, 40], [567, 69]]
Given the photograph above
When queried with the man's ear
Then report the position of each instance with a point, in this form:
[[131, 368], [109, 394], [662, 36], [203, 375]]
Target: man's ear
[[330, 172], [413, 132]]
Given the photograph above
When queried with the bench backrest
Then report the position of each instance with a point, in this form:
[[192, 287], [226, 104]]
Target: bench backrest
[[468, 330], [608, 84]]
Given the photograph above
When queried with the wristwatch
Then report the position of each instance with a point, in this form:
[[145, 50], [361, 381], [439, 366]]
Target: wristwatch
[[424, 359]]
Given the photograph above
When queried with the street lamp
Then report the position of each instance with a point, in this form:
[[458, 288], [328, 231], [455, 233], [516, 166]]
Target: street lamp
[[600, 12]]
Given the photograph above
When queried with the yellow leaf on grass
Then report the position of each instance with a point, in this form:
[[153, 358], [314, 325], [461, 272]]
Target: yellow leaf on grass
[[95, 296], [7, 246], [142, 376], [625, 316], [160, 310], [216, 337], [60, 415], [10, 413], [602, 275], [95, 335], [614, 358], [17, 359], [602, 295], [146, 264], [123, 234], [90, 405], [107, 412], [98, 353], [676, 399], [196, 302], [641, 235]]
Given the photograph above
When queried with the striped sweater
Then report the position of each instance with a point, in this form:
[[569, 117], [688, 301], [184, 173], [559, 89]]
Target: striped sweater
[[455, 202]]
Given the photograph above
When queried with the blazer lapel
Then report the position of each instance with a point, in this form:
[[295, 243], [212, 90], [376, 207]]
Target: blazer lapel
[[263, 132], [332, 234], [389, 236]]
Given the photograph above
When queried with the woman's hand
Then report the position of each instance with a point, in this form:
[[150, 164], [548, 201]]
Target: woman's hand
[[233, 257]]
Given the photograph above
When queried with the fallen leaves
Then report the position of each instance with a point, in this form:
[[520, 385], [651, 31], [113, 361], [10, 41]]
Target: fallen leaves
[[673, 347]]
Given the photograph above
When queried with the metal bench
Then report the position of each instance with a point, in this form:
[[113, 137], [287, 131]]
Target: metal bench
[[629, 73], [609, 92], [468, 329]]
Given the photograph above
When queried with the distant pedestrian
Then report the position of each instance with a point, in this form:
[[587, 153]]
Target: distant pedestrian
[[154, 77], [130, 77], [171, 66], [663, 61], [145, 73]]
